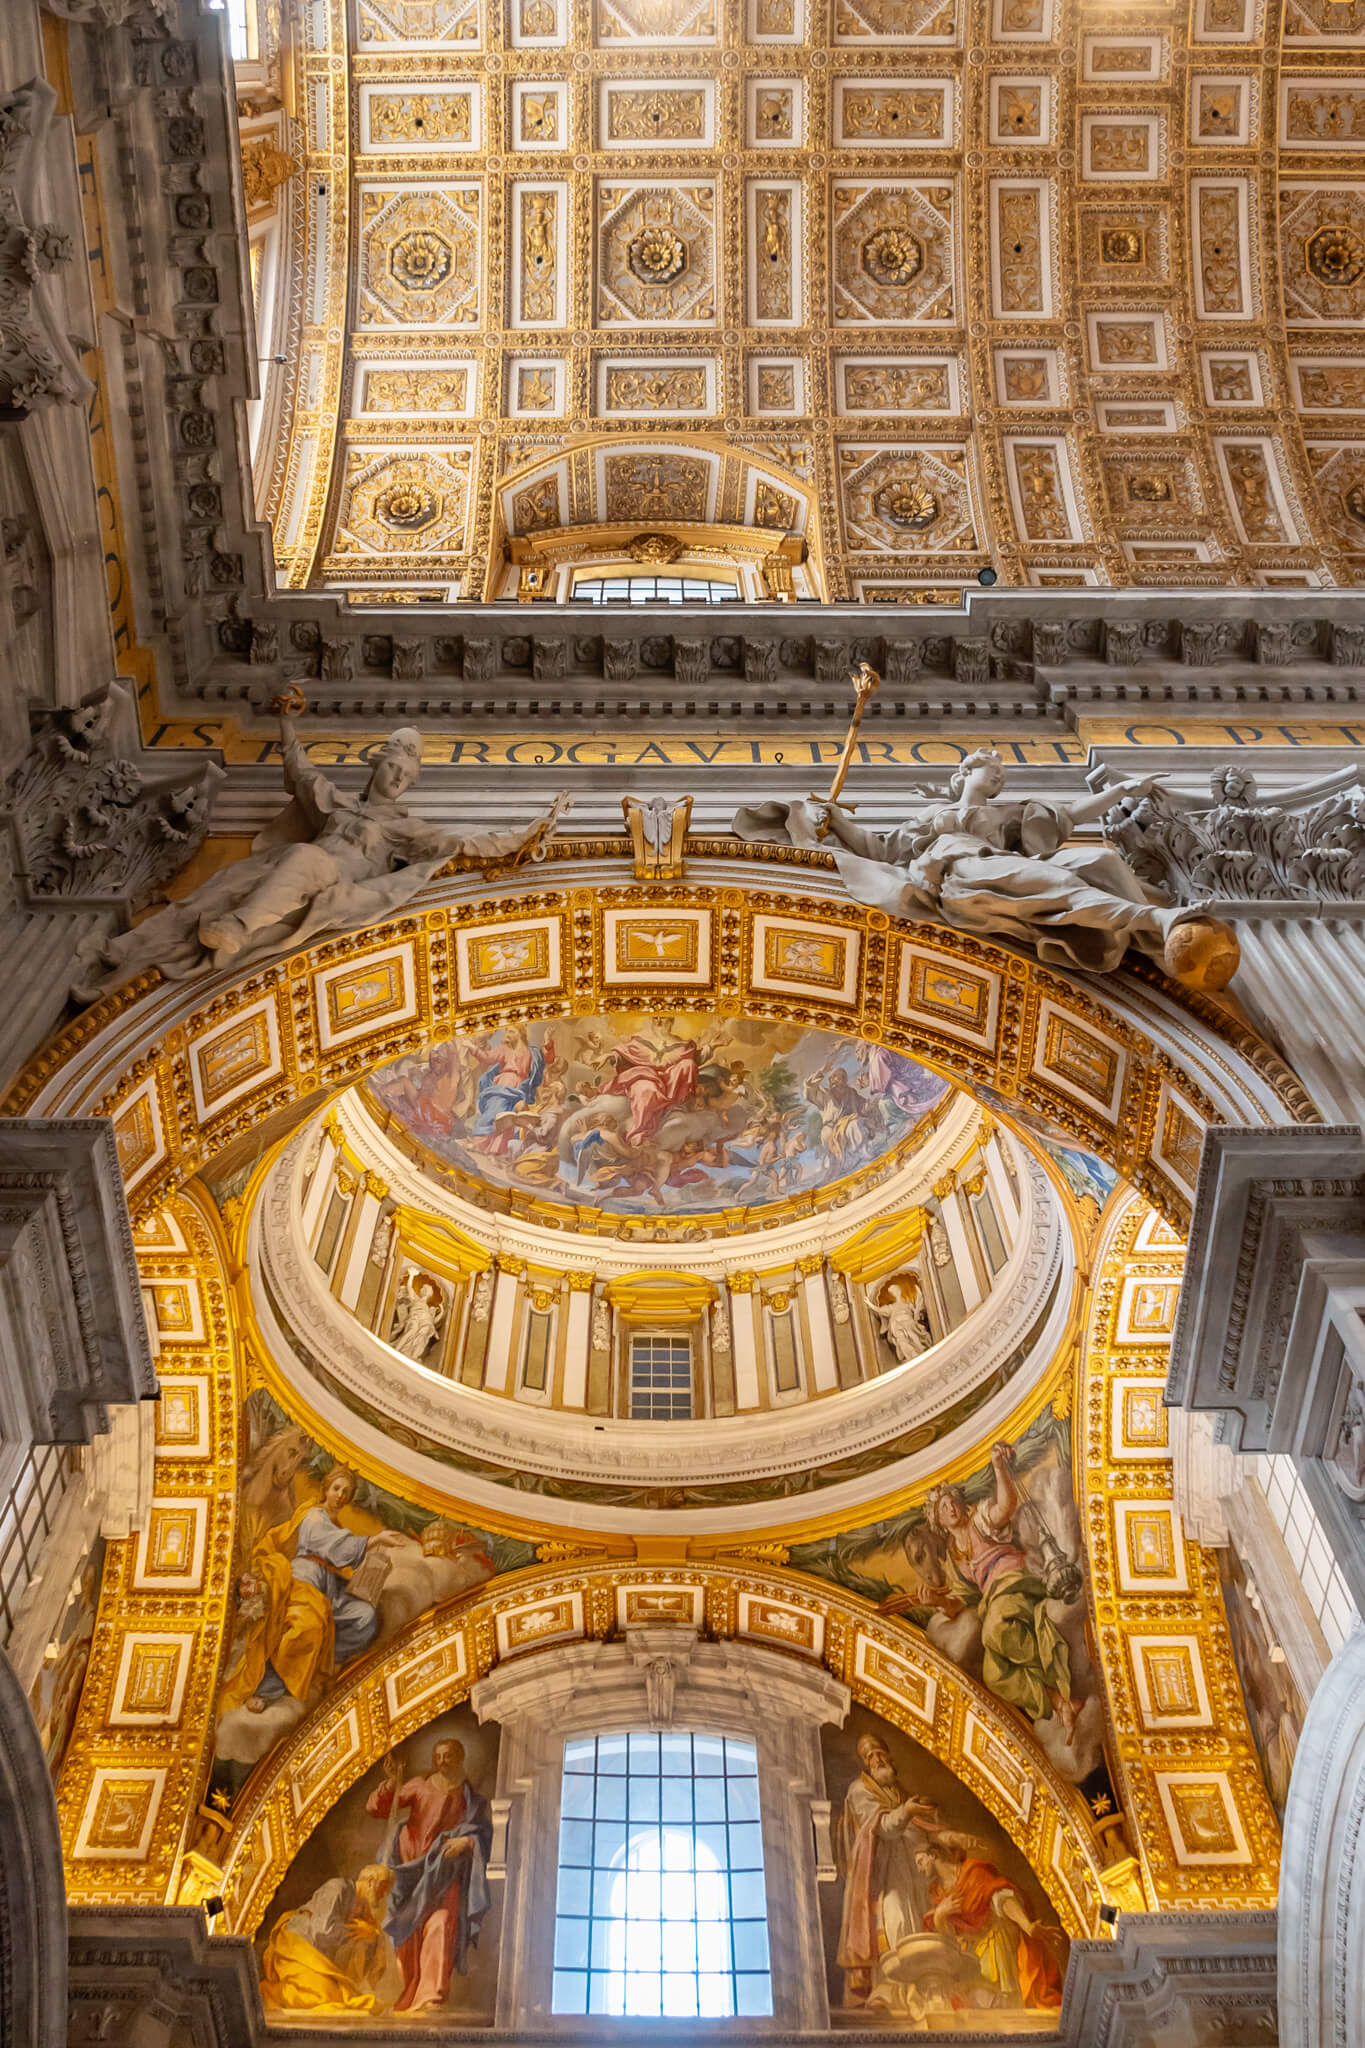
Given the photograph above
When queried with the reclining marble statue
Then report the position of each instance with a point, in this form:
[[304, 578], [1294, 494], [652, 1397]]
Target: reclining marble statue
[[328, 863], [1004, 869]]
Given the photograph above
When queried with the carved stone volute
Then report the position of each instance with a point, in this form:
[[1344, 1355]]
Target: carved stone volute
[[1237, 849], [89, 833]]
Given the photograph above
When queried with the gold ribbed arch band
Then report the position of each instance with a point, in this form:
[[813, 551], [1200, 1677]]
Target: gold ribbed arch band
[[1192, 1788], [1131, 1067], [432, 1666]]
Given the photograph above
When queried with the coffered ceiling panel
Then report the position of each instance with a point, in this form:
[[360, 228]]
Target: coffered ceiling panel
[[1064, 287]]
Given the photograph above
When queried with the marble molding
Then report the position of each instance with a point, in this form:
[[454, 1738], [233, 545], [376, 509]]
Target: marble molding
[[1182, 1980], [72, 1328], [1277, 1224], [1268, 1333]]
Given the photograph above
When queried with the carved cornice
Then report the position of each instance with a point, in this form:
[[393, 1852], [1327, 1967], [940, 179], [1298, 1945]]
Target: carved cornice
[[66, 1258], [1271, 1207]]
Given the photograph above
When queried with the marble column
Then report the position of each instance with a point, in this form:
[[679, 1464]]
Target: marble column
[[743, 1340], [1300, 981], [964, 1258], [577, 1340], [1322, 1866]]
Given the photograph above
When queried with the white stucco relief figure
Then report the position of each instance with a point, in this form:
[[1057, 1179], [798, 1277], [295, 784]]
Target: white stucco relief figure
[[330, 862], [1003, 869], [903, 1317], [418, 1314]]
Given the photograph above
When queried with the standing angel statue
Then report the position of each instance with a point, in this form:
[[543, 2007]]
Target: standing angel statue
[[902, 1317], [418, 1314], [1003, 869], [329, 862]]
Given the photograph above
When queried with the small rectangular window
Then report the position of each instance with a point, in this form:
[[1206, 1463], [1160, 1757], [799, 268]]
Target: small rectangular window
[[662, 1909], [660, 1379]]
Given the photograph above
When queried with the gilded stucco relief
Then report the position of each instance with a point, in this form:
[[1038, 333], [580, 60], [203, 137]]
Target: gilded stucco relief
[[666, 195]]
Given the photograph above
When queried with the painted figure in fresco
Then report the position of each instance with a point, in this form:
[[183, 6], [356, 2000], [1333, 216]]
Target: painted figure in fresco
[[999, 867], [417, 1316], [903, 1317], [849, 1123], [882, 1827], [267, 1493], [331, 1955], [969, 1899], [440, 1863], [329, 862], [1025, 1660], [648, 1114], [511, 1074], [305, 1622]]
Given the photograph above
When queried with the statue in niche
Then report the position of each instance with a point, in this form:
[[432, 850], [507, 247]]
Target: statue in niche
[[418, 1314], [902, 1316], [1003, 869], [328, 863]]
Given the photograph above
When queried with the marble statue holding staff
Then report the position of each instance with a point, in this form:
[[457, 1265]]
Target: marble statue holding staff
[[1004, 869], [328, 863]]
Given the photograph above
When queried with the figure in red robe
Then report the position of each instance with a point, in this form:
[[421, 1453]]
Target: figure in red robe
[[656, 1074], [970, 1899], [439, 1858]]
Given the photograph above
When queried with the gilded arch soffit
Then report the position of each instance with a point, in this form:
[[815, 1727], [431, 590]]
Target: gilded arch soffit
[[1133, 1068], [1202, 1818], [1122, 1064], [1039, 282], [434, 1664]]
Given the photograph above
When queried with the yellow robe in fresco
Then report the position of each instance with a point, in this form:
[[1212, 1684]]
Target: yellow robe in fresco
[[297, 1632], [331, 1955], [296, 1977]]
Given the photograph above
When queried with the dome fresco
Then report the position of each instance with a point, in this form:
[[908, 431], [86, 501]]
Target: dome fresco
[[647, 1116]]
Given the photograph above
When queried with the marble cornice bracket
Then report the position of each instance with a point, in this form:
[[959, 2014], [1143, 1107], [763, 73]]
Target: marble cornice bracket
[[72, 1324], [89, 830], [987, 659], [1268, 1331], [39, 356]]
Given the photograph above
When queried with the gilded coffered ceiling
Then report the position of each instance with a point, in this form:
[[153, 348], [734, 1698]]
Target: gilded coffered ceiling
[[915, 286]]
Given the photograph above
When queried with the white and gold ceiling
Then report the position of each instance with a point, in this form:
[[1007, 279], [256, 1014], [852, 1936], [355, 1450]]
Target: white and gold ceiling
[[915, 285]]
